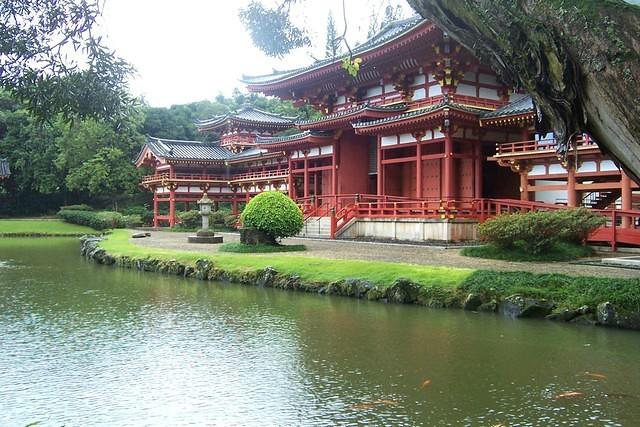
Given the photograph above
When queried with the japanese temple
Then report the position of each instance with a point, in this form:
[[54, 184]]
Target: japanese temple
[[422, 144]]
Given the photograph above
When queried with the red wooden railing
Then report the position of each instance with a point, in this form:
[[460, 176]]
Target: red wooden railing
[[282, 173], [622, 227], [538, 145]]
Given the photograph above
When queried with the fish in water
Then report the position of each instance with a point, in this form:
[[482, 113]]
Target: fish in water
[[425, 384], [374, 403], [595, 375], [568, 394]]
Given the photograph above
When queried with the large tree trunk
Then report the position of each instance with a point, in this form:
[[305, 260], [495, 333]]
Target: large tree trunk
[[579, 60]]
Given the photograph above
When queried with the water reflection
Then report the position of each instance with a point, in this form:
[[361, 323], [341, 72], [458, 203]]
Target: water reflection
[[88, 345]]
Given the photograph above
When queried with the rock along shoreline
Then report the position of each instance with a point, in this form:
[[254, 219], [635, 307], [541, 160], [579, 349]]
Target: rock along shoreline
[[401, 291]]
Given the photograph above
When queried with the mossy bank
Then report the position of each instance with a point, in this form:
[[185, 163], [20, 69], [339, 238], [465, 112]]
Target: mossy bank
[[590, 301]]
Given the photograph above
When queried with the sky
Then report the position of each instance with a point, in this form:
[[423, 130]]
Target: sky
[[192, 50]]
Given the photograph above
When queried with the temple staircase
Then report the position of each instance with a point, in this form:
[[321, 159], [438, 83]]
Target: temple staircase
[[601, 199], [316, 227]]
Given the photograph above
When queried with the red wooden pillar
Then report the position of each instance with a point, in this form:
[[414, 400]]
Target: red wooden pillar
[[290, 186], [524, 185], [247, 195], [449, 172], [477, 169], [627, 203], [572, 195], [234, 206], [155, 208], [306, 176], [172, 206], [380, 177], [334, 170], [419, 167]]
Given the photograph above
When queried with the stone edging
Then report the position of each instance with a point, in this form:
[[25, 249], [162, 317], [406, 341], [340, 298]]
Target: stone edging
[[401, 291]]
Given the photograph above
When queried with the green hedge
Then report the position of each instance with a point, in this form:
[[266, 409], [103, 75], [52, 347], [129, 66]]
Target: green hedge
[[81, 207], [536, 232], [273, 213], [97, 220]]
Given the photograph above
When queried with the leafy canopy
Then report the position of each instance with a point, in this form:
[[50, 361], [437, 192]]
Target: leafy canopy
[[273, 213], [51, 59]]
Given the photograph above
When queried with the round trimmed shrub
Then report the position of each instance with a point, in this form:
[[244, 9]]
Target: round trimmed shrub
[[274, 214]]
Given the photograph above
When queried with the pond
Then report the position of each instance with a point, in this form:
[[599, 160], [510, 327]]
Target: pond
[[83, 344]]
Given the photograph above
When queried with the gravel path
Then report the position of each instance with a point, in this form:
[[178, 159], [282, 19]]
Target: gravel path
[[413, 254]]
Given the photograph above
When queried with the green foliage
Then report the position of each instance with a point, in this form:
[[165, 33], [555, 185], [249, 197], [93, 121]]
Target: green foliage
[[108, 172], [352, 66], [54, 62], [273, 213], [568, 292], [231, 221], [96, 220], [258, 249], [190, 219], [81, 207], [332, 47], [145, 214], [218, 216], [561, 251], [271, 29], [536, 232]]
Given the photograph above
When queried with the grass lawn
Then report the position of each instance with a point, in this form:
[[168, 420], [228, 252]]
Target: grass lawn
[[308, 268], [241, 248], [560, 252], [41, 227]]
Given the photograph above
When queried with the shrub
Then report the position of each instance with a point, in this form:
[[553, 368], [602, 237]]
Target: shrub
[[231, 220], [81, 207], [190, 219], [274, 214], [536, 232], [134, 220], [95, 220], [218, 216], [146, 215]]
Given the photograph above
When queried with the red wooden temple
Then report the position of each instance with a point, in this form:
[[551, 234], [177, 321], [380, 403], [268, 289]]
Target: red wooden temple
[[421, 145]]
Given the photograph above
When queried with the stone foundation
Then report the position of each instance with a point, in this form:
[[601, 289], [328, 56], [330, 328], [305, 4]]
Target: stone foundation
[[413, 230]]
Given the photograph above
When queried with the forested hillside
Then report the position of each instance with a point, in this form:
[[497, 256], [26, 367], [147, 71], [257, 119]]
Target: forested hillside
[[56, 163]]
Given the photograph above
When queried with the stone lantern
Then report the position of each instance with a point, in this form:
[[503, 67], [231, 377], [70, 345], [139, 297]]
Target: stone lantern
[[205, 235]]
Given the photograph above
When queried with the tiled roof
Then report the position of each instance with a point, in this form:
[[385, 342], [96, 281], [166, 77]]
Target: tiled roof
[[354, 111], [247, 116], [521, 105], [388, 33], [4, 168], [187, 150], [196, 150], [294, 137], [445, 103]]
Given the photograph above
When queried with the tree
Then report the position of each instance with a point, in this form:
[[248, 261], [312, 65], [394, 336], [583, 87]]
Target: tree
[[332, 47], [109, 172], [37, 40], [390, 14], [579, 60]]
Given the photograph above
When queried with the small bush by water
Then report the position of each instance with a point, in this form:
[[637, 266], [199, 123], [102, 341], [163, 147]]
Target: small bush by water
[[560, 251], [257, 249], [274, 214], [99, 220]]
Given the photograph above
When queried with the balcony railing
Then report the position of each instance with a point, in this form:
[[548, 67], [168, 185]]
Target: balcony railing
[[534, 146], [184, 177]]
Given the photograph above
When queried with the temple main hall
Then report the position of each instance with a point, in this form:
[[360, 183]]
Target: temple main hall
[[422, 144]]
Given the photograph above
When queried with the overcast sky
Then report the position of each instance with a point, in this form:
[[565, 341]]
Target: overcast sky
[[191, 50]]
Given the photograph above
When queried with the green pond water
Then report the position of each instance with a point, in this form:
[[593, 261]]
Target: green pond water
[[85, 345]]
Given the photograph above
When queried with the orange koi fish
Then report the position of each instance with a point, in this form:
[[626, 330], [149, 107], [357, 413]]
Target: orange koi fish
[[568, 394], [425, 384], [596, 375]]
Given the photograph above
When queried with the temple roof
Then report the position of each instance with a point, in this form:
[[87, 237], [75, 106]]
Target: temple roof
[[4, 168], [387, 34], [194, 150], [308, 136], [356, 113], [247, 116], [445, 105], [522, 104]]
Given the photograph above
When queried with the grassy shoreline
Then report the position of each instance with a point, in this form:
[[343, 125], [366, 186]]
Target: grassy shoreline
[[41, 228], [432, 286]]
